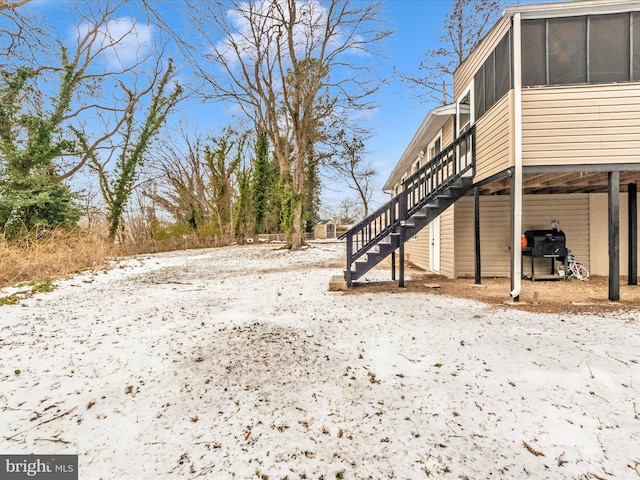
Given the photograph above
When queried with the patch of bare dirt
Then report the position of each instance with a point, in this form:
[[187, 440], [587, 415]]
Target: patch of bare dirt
[[550, 296]]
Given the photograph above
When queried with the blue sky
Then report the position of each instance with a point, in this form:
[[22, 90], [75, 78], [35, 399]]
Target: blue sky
[[417, 28], [416, 24]]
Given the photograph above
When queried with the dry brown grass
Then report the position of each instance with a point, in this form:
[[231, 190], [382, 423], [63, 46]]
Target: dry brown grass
[[62, 253], [168, 245], [54, 255]]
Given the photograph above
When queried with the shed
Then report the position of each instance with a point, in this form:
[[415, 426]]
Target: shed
[[325, 229]]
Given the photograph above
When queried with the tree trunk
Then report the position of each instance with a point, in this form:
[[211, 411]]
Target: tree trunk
[[296, 235], [298, 190], [363, 197]]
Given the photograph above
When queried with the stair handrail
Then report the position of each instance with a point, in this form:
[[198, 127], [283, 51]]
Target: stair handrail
[[388, 212]]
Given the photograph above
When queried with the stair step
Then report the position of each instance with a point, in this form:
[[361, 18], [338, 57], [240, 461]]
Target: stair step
[[374, 256], [391, 243], [458, 186], [461, 184], [382, 248]]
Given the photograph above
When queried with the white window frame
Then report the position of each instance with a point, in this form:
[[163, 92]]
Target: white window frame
[[433, 144], [470, 92], [467, 91]]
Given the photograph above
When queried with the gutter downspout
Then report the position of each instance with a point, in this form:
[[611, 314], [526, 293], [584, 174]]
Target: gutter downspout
[[516, 252]]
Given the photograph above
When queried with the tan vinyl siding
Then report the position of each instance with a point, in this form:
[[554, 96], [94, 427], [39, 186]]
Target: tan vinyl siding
[[599, 235], [585, 124], [447, 245], [494, 236], [494, 139], [447, 139], [417, 250], [572, 210], [480, 53], [447, 132]]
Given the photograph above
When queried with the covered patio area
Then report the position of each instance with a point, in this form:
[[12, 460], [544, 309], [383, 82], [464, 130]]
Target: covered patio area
[[610, 180]]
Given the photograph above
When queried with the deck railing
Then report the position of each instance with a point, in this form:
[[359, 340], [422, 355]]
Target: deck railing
[[439, 173]]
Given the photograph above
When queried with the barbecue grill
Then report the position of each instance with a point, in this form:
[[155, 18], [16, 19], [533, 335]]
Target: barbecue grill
[[550, 244]]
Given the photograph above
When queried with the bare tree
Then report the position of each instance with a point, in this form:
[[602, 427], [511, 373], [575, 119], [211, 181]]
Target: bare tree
[[117, 185], [464, 26], [123, 47], [55, 114], [223, 159], [182, 178], [349, 211], [17, 30], [110, 52], [292, 68], [196, 179], [11, 4], [350, 167]]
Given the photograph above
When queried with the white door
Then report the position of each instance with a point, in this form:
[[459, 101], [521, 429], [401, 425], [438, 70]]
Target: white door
[[434, 245]]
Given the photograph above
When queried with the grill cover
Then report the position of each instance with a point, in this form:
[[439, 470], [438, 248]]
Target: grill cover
[[546, 242]]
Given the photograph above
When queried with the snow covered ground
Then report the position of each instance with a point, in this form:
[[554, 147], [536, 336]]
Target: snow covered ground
[[238, 363]]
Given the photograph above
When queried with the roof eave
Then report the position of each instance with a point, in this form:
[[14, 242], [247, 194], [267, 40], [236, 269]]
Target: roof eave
[[573, 8]]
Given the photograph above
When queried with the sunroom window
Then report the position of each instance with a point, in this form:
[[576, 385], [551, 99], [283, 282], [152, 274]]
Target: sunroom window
[[503, 66], [609, 48], [534, 52], [584, 49], [567, 50], [635, 18], [493, 79]]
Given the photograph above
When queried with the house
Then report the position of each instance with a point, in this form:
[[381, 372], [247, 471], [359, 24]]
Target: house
[[545, 126], [324, 229]]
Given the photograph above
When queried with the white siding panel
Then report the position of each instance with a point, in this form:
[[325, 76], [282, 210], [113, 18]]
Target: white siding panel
[[494, 236], [599, 235]]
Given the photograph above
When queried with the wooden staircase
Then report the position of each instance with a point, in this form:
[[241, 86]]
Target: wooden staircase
[[425, 195]]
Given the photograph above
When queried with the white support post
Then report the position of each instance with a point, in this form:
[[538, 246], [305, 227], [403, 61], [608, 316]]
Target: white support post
[[516, 193]]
